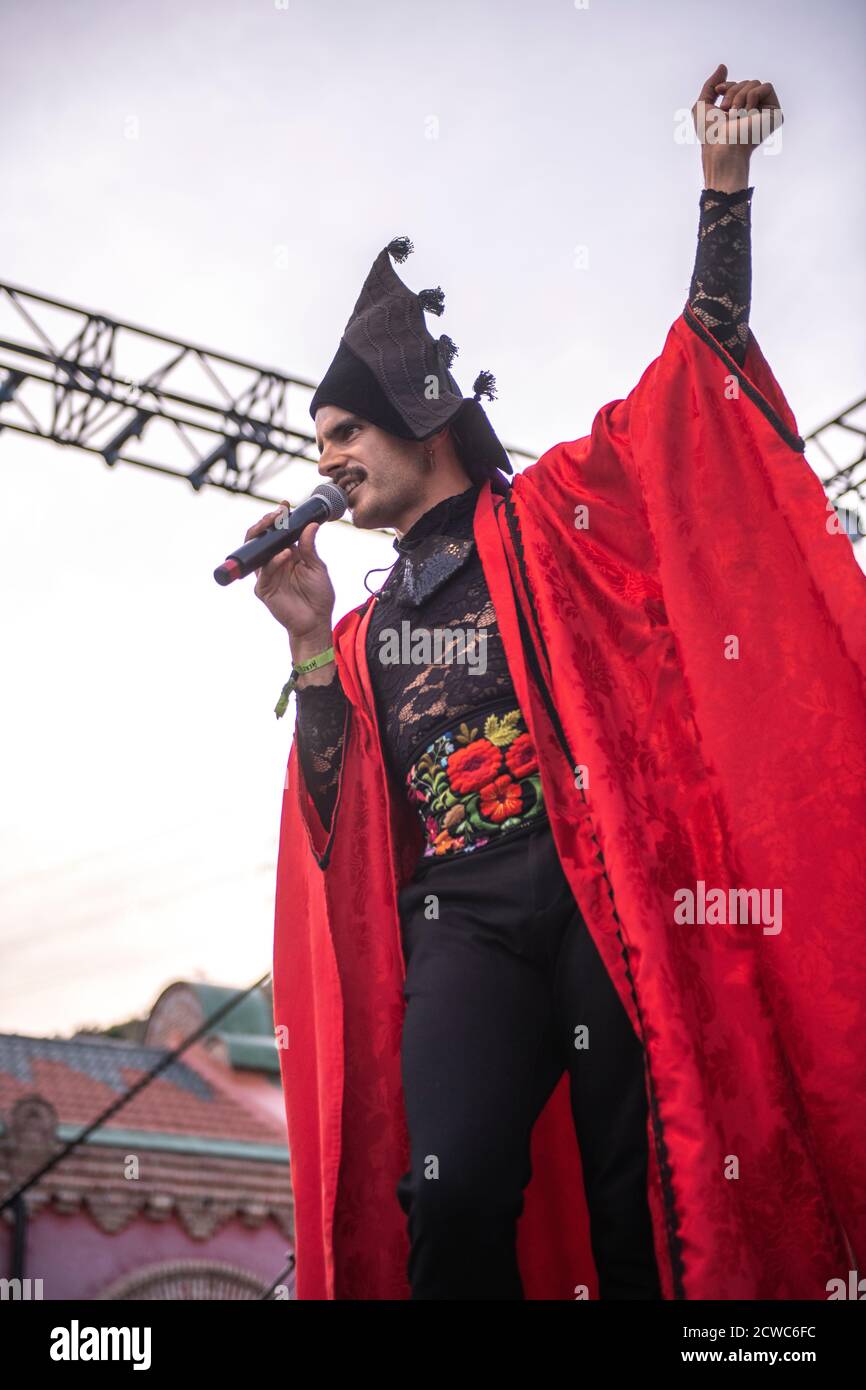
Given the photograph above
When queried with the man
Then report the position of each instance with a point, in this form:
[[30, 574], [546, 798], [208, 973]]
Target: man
[[559, 873]]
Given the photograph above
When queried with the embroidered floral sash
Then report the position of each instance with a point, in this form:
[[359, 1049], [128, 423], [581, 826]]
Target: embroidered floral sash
[[476, 781]]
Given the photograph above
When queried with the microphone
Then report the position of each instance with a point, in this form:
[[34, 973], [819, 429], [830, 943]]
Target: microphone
[[327, 502]]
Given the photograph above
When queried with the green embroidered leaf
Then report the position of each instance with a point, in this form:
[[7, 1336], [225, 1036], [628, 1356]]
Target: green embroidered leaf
[[475, 818], [502, 731], [535, 782], [465, 735]]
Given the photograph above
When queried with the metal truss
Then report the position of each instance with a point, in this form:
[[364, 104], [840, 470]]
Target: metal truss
[[837, 451], [91, 382], [129, 395]]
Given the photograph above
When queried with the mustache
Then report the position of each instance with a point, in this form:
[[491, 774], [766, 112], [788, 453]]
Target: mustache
[[351, 475]]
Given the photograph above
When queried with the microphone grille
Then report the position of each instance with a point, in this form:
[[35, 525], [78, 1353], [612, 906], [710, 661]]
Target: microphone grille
[[334, 496]]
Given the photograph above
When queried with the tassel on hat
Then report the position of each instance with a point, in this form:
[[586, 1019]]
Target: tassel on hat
[[484, 385], [449, 348], [432, 300], [400, 248]]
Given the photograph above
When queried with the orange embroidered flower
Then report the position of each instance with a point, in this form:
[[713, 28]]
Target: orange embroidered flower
[[443, 843], [501, 799], [472, 767], [521, 757]]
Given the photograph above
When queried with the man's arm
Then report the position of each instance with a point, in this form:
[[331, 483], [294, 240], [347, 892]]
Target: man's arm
[[297, 590], [721, 285], [721, 288], [320, 722]]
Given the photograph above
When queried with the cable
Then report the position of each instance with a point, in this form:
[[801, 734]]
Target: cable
[[133, 1091]]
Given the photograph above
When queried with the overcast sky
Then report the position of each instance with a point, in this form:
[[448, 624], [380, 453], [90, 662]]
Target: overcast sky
[[226, 171]]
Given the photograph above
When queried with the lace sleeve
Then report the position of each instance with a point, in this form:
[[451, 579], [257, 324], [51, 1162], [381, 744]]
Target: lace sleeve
[[320, 726], [721, 288]]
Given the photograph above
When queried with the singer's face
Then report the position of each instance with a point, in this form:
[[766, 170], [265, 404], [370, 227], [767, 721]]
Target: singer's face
[[384, 476]]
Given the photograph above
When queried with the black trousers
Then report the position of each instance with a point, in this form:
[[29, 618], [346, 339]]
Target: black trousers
[[500, 973]]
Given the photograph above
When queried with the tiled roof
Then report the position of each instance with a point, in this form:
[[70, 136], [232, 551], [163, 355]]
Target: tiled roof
[[82, 1077]]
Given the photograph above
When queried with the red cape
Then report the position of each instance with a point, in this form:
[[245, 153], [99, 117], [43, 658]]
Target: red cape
[[704, 523]]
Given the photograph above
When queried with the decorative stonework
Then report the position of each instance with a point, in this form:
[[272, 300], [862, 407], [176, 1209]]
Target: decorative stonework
[[198, 1194], [112, 1210], [201, 1217], [176, 1014], [29, 1139], [193, 1281]]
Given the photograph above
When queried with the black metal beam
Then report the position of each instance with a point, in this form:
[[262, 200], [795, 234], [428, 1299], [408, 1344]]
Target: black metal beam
[[238, 423]]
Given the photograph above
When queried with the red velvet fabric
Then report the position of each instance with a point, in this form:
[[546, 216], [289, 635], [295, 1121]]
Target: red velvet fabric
[[704, 524]]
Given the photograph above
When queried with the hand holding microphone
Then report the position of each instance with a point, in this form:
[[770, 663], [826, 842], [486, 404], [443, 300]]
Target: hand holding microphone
[[293, 582], [327, 503]]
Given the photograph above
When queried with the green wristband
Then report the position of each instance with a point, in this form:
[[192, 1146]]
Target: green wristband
[[300, 669]]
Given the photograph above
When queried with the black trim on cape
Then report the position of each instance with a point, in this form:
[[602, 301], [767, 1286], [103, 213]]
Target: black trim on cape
[[794, 441], [671, 1221]]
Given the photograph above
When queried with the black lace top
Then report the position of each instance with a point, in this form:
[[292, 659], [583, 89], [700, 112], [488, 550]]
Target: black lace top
[[721, 289], [438, 585]]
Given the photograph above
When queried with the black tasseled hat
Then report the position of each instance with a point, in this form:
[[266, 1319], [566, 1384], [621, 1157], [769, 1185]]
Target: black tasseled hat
[[390, 370]]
